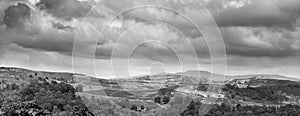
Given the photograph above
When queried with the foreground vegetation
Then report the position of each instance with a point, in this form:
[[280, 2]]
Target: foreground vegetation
[[227, 109], [28, 93], [41, 98]]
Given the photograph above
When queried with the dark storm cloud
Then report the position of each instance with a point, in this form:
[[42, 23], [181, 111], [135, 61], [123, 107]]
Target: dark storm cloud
[[260, 52], [234, 37], [263, 33], [48, 43], [39, 40], [261, 42], [45, 32], [252, 17], [42, 32], [269, 13], [65, 9], [15, 16]]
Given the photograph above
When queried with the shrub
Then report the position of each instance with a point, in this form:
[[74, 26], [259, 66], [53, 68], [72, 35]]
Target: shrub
[[165, 100], [133, 107], [157, 99]]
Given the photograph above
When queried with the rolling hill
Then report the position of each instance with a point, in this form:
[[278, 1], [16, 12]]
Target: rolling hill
[[151, 92]]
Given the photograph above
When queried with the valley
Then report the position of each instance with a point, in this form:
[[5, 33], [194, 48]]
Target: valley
[[184, 93]]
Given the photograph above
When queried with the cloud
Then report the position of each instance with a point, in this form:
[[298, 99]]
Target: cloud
[[65, 9], [58, 25], [260, 13], [270, 13], [16, 16], [30, 29], [261, 41], [50, 34], [15, 56], [257, 34]]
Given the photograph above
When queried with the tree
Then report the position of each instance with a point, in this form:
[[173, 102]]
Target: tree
[[202, 87], [133, 107], [157, 99], [39, 98], [79, 88], [14, 86], [238, 106], [165, 100], [142, 107], [53, 82]]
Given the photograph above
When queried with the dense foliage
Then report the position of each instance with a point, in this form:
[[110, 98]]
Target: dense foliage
[[227, 109], [266, 93], [272, 92], [42, 98], [105, 107]]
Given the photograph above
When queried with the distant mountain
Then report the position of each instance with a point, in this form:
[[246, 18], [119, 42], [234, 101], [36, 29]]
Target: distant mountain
[[220, 78], [25, 74], [204, 75], [161, 77]]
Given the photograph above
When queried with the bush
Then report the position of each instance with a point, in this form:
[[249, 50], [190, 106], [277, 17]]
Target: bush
[[79, 88], [157, 99], [133, 107], [165, 100], [42, 99]]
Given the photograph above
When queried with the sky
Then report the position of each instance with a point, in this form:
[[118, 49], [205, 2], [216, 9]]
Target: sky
[[120, 38]]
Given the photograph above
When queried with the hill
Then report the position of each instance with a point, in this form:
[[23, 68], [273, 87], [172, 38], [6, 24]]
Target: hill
[[181, 93], [222, 78]]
